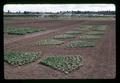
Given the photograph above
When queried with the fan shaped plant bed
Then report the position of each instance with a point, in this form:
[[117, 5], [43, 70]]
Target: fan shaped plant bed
[[21, 58], [64, 64]]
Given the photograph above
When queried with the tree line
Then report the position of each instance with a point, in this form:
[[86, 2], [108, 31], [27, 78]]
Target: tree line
[[64, 12]]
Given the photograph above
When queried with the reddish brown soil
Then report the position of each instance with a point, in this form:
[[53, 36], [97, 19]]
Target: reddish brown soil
[[99, 61]]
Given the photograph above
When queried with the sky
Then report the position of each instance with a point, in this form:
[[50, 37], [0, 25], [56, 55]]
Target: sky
[[58, 7]]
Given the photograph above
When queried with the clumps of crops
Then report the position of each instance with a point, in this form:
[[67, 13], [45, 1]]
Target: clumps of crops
[[95, 33], [21, 58], [64, 36], [90, 37], [73, 32], [50, 42], [64, 64], [81, 43], [21, 31]]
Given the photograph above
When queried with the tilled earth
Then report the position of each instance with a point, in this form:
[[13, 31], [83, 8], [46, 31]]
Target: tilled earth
[[99, 61]]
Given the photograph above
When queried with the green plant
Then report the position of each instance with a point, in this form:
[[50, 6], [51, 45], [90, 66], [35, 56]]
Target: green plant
[[21, 58], [65, 64], [81, 43], [50, 42]]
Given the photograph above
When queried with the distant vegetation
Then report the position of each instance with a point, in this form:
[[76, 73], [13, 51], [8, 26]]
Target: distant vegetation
[[61, 13]]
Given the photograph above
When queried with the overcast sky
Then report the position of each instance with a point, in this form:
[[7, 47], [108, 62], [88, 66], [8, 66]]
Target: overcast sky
[[58, 7]]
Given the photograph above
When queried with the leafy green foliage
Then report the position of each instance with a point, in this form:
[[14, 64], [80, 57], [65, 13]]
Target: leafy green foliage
[[21, 58], [64, 36], [50, 42], [65, 64], [21, 31], [81, 43]]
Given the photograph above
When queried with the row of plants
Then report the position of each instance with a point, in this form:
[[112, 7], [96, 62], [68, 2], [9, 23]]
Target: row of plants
[[90, 37], [83, 28], [73, 32], [91, 27], [64, 36], [99, 28], [21, 58], [21, 31], [95, 33], [81, 43], [50, 42], [65, 63]]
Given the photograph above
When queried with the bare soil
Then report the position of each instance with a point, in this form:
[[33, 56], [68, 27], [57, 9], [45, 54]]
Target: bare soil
[[99, 61]]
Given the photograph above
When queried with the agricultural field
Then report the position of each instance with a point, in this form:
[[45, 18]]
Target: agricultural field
[[59, 48]]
